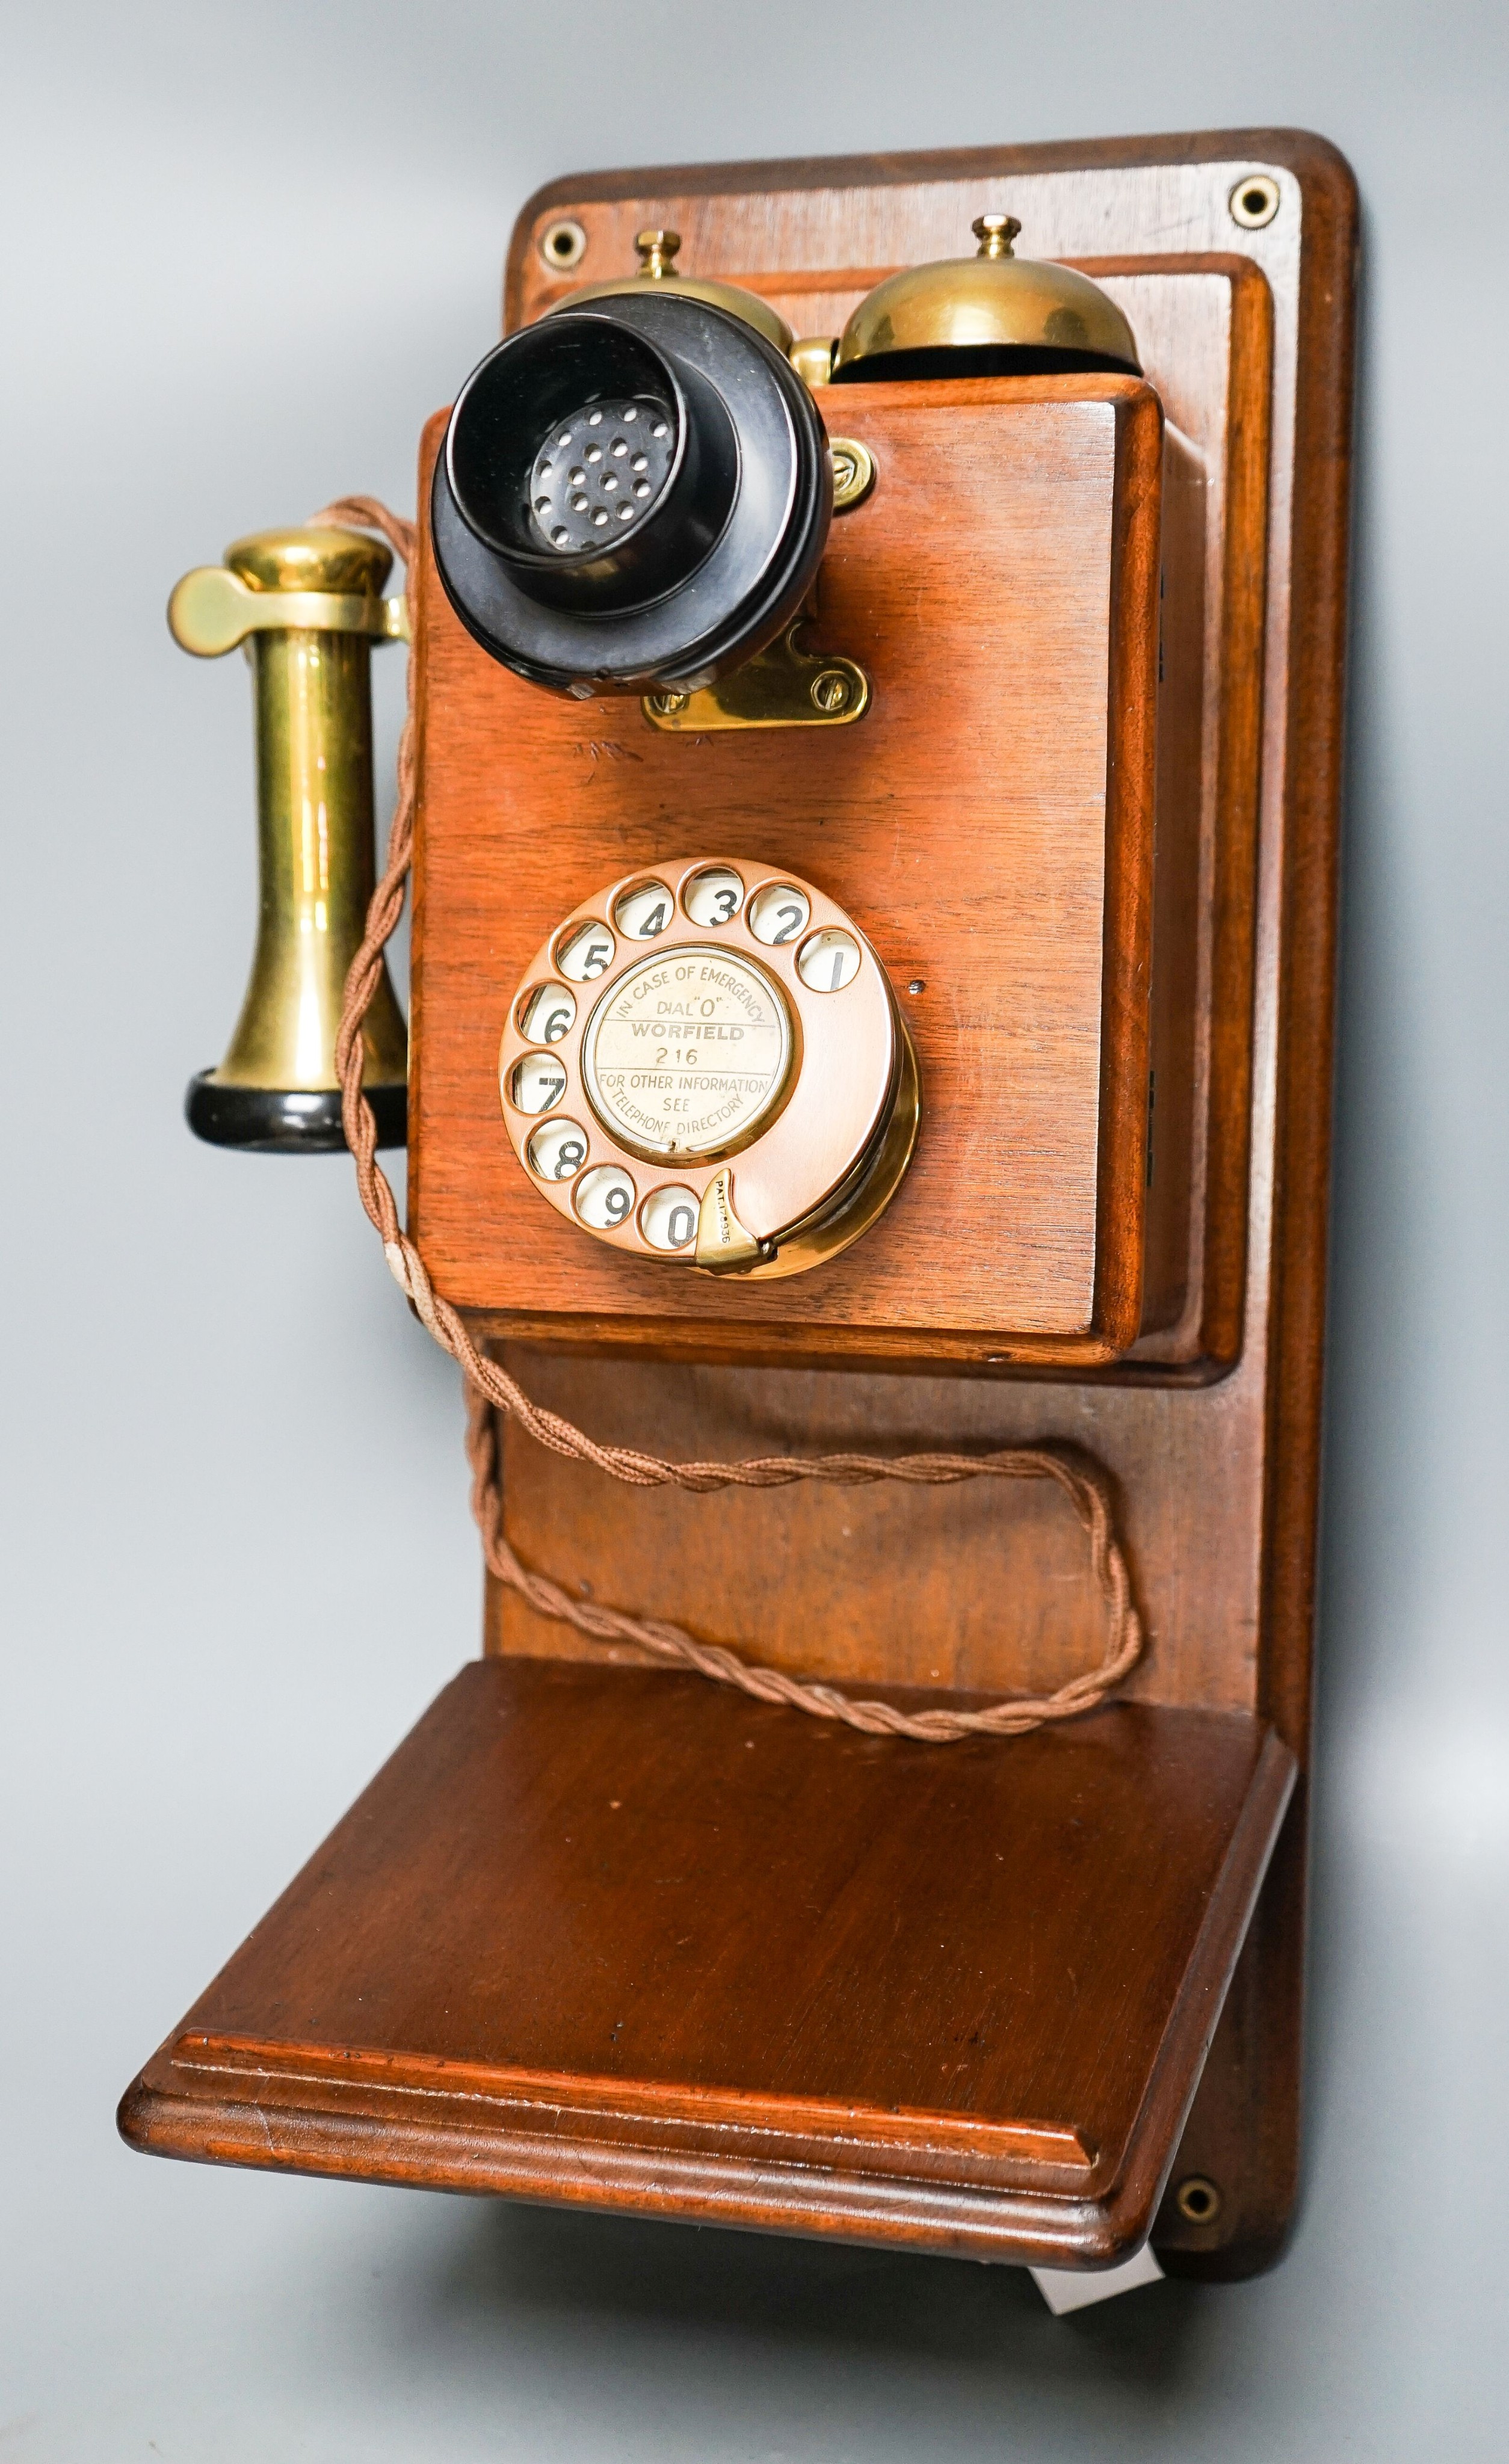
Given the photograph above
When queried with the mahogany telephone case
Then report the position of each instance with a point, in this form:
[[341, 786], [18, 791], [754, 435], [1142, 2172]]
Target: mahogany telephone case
[[876, 723], [990, 824]]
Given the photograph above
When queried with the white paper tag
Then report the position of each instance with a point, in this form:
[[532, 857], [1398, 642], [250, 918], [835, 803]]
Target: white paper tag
[[1075, 2288]]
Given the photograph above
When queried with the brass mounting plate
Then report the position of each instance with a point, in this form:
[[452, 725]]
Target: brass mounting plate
[[782, 687]]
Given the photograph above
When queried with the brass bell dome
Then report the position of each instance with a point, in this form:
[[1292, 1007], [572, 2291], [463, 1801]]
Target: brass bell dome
[[989, 315], [658, 249]]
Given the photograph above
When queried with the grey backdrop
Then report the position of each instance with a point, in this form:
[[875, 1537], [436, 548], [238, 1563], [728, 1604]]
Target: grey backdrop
[[250, 248]]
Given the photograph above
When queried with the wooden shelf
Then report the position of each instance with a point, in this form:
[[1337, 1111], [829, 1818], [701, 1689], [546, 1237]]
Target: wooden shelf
[[625, 1939]]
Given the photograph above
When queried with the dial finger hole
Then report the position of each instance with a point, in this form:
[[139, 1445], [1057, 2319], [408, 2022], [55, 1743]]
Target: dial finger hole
[[644, 910], [778, 913], [536, 1083], [557, 1151], [667, 1218], [586, 953], [546, 1014], [605, 1198], [712, 896], [828, 961]]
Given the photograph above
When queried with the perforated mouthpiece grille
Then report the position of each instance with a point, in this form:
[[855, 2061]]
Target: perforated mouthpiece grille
[[599, 470]]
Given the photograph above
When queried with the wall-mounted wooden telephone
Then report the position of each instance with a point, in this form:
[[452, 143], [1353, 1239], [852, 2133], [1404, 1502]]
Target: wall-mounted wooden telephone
[[874, 772]]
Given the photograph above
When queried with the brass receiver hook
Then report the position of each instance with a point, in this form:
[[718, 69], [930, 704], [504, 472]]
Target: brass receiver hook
[[307, 606]]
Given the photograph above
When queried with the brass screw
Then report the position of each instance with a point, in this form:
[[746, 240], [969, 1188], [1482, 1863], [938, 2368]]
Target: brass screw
[[665, 705], [853, 472], [831, 691], [1254, 201], [657, 249], [563, 245], [996, 234], [1198, 2200]]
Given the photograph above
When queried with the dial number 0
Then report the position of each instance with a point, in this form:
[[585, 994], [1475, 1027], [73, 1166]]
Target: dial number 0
[[668, 1218]]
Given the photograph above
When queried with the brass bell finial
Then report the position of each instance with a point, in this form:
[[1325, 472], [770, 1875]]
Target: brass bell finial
[[657, 248], [307, 604], [996, 234]]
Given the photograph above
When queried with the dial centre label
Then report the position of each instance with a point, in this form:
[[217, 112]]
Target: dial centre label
[[687, 1053]]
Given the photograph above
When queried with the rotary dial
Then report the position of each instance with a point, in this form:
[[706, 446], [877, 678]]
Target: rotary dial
[[705, 1065]]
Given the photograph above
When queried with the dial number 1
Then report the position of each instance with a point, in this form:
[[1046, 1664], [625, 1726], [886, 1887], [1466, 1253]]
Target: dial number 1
[[828, 961]]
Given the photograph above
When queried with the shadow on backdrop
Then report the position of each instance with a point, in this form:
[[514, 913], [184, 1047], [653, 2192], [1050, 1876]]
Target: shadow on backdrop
[[609, 2272]]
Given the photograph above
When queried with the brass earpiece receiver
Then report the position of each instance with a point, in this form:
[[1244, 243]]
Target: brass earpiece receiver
[[307, 603]]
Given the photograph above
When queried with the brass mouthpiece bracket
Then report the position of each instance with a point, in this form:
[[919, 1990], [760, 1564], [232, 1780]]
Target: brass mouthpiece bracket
[[784, 686]]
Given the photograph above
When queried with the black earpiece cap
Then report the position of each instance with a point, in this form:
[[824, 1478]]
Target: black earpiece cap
[[631, 495]]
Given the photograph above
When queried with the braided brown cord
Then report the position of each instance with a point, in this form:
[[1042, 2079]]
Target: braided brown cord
[[491, 1389]]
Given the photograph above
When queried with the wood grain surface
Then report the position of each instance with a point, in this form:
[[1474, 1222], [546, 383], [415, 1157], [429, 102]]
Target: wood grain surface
[[1209, 1427], [989, 825], [1250, 342], [1248, 338], [592, 1929], [1205, 326]]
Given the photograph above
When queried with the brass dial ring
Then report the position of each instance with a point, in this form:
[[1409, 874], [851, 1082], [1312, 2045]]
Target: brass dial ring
[[705, 1065]]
